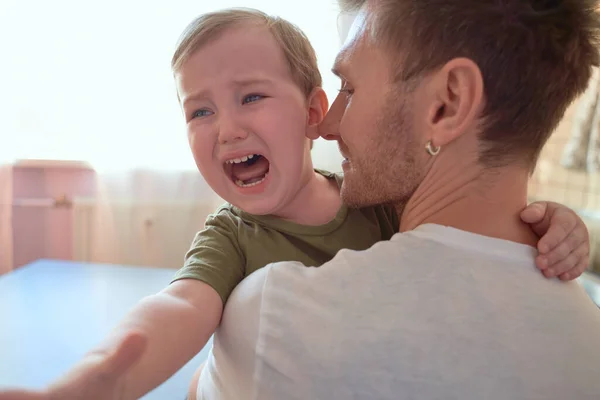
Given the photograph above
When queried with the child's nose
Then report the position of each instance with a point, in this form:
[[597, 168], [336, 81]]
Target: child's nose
[[230, 131]]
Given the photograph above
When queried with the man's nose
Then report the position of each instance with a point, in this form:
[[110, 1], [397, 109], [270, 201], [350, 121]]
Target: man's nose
[[329, 129], [230, 130]]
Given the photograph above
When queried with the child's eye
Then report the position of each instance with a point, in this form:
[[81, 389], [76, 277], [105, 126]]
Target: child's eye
[[201, 113], [251, 98]]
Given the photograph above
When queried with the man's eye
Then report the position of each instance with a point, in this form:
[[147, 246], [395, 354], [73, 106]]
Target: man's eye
[[346, 89], [251, 98], [201, 113]]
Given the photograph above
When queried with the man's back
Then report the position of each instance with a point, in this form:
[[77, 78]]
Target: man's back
[[435, 313]]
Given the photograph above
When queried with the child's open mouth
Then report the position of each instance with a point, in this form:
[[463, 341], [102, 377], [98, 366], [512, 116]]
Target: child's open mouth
[[247, 171]]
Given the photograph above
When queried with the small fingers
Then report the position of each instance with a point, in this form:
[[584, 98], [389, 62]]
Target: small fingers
[[576, 240], [545, 261], [577, 271], [560, 229], [569, 264], [534, 213]]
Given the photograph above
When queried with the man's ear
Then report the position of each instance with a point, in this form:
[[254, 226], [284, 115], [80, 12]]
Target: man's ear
[[456, 100]]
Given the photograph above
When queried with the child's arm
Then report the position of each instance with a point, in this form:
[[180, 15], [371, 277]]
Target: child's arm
[[162, 332], [176, 324], [155, 339]]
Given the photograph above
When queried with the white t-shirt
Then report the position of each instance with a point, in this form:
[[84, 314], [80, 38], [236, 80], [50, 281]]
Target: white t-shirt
[[435, 313]]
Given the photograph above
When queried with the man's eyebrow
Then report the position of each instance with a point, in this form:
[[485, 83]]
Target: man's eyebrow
[[338, 64], [336, 70]]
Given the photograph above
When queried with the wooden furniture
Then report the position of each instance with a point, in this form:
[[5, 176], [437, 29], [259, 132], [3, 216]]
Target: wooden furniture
[[53, 312], [42, 214]]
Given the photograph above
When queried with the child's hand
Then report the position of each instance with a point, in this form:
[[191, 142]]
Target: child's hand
[[564, 246], [99, 376]]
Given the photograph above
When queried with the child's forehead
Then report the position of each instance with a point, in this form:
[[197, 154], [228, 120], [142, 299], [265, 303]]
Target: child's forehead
[[241, 48], [237, 58], [254, 36]]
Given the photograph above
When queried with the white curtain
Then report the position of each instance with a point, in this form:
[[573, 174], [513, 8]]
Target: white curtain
[[6, 242], [150, 223]]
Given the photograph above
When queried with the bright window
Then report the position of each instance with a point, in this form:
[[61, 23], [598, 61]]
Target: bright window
[[92, 81]]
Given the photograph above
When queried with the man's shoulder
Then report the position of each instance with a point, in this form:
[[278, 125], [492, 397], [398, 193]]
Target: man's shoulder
[[345, 262], [349, 267]]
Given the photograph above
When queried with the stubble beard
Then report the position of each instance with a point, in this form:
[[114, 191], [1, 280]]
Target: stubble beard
[[387, 171]]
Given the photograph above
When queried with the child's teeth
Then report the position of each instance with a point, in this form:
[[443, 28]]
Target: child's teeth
[[241, 160], [244, 185]]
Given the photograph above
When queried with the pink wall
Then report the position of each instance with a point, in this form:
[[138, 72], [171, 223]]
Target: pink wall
[[44, 231]]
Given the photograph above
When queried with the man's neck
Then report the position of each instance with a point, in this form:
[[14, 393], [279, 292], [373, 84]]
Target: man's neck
[[487, 203]]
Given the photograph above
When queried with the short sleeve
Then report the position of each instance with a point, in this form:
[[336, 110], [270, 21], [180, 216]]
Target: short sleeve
[[391, 213], [388, 220], [215, 257]]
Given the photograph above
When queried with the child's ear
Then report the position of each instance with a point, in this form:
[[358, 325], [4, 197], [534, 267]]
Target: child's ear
[[317, 107]]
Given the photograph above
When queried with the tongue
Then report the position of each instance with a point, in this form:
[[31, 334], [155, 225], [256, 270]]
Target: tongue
[[254, 172]]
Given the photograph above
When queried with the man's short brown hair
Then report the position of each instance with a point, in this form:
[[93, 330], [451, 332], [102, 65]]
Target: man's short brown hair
[[298, 51], [535, 57]]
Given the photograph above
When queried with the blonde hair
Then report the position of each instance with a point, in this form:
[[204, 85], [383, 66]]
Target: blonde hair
[[298, 51]]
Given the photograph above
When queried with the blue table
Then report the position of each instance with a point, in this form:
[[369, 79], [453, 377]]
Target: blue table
[[53, 312]]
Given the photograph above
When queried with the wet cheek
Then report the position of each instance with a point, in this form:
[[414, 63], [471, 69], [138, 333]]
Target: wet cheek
[[201, 149], [208, 168], [201, 135], [195, 144]]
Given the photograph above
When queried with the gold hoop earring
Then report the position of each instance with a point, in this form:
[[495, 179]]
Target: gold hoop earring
[[431, 149]]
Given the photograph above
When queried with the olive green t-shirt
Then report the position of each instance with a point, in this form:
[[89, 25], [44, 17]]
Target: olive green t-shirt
[[234, 243]]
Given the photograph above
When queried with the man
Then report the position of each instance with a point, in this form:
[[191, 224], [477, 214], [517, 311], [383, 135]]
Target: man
[[444, 108], [453, 306]]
